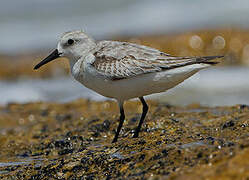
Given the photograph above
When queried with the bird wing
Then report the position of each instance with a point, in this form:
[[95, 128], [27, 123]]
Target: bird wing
[[121, 60]]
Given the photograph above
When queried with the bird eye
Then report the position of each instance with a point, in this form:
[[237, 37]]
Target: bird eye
[[70, 41]]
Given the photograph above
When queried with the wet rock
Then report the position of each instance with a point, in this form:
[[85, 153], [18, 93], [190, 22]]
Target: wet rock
[[134, 119], [65, 151], [141, 157], [173, 141], [44, 113], [103, 127], [63, 117], [199, 155], [165, 152], [62, 144], [77, 168], [44, 128], [243, 106], [228, 124], [93, 121]]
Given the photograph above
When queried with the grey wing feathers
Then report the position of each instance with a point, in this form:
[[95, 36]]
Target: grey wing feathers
[[120, 60]]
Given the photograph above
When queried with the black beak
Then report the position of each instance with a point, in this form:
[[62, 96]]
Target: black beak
[[55, 54]]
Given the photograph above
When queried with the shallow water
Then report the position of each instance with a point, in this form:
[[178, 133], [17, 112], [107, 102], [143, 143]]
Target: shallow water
[[212, 87], [18, 162]]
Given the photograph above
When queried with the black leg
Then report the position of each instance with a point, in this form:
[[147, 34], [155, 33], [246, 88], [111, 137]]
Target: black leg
[[121, 121], [145, 110]]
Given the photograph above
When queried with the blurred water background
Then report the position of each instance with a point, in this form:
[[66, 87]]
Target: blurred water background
[[29, 25], [212, 87]]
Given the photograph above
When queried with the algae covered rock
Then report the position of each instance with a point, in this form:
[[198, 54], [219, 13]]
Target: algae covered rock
[[73, 141]]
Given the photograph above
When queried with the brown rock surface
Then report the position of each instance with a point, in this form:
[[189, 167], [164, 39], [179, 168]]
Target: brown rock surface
[[73, 140]]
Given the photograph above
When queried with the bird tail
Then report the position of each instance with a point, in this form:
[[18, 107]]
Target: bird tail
[[207, 59]]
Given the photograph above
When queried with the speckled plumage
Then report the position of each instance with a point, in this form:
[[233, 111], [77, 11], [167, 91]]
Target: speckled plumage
[[121, 60]]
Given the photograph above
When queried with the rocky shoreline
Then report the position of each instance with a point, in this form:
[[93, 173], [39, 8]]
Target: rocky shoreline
[[231, 42], [73, 141]]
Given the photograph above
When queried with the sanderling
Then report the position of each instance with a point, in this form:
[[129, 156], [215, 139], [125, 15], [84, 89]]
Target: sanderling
[[123, 70]]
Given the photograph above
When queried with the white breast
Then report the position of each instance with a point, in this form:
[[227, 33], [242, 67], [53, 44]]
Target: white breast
[[129, 88]]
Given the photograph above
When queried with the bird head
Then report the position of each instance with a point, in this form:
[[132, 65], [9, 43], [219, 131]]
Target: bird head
[[73, 45]]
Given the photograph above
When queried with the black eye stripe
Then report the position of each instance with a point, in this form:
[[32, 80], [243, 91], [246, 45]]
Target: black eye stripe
[[70, 41]]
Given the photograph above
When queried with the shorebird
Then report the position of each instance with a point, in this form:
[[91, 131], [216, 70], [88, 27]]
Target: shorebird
[[123, 70]]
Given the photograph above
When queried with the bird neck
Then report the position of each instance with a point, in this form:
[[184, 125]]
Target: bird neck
[[76, 67]]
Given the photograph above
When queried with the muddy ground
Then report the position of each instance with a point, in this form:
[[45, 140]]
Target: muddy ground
[[73, 141]]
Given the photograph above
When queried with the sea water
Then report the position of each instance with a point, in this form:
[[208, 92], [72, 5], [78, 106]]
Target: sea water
[[28, 25], [210, 87]]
